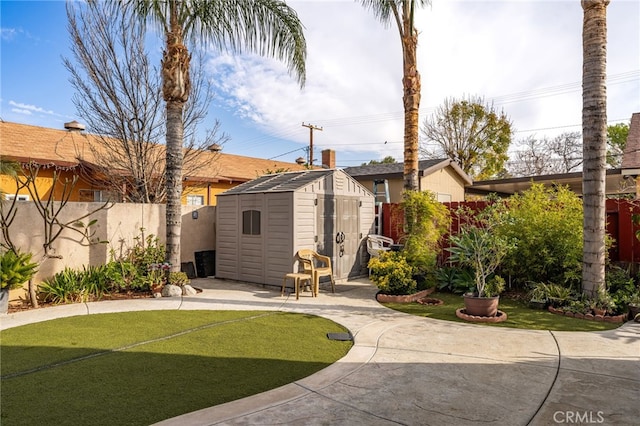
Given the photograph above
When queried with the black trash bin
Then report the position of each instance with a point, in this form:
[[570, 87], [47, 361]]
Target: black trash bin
[[205, 263]]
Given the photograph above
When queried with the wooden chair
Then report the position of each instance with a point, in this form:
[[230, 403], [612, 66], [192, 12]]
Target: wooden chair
[[300, 277], [319, 266]]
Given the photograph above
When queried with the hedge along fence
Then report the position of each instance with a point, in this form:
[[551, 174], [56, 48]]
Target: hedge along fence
[[620, 227]]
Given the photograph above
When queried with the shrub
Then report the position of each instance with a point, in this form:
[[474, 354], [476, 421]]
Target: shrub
[[546, 225], [426, 222], [621, 287], [63, 287], [16, 269], [392, 273], [455, 280], [178, 278]]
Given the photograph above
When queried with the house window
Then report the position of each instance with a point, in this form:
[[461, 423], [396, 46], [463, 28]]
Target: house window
[[195, 200], [251, 222], [20, 197], [97, 196], [444, 198]]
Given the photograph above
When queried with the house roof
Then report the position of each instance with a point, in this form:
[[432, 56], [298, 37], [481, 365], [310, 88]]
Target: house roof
[[281, 182], [68, 149], [396, 170], [616, 183]]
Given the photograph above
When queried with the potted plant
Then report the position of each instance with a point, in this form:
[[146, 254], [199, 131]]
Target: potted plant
[[15, 269], [538, 296], [634, 305], [479, 249]]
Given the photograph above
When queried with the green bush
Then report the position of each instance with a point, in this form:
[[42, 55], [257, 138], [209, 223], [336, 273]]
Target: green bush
[[145, 252], [621, 287], [426, 222], [392, 273], [63, 287], [546, 226], [455, 279], [16, 269]]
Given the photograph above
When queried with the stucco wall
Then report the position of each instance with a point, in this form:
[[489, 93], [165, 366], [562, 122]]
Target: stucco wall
[[118, 225]]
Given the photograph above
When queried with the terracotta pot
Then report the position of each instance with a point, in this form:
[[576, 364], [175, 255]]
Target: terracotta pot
[[481, 306]]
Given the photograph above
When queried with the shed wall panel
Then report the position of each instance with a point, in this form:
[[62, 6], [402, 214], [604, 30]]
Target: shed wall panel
[[227, 255]]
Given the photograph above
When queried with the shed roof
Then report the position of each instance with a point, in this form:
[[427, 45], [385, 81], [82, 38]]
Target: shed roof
[[281, 182]]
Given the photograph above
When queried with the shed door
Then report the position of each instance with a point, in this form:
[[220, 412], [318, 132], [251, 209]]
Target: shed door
[[338, 232]]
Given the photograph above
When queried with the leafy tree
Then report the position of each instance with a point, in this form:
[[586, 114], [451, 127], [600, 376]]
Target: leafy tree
[[594, 134], [386, 160], [119, 95], [268, 27], [561, 154], [470, 132], [546, 226], [402, 12], [616, 141]]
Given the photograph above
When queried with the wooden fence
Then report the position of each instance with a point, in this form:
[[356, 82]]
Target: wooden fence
[[620, 227]]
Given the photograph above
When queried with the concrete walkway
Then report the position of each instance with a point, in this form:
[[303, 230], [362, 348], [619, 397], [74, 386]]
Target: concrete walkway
[[407, 370]]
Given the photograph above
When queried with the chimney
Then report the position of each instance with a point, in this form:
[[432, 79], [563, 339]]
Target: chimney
[[329, 159], [74, 126]]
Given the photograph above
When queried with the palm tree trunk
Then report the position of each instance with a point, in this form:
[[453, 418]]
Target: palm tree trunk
[[174, 183], [594, 135], [175, 90], [411, 100]]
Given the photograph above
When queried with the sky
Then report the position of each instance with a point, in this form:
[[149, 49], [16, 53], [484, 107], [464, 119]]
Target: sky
[[524, 57]]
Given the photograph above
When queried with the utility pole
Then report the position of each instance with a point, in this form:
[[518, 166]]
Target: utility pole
[[311, 129]]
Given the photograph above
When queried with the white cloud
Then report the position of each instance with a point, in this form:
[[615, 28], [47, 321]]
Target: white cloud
[[21, 111], [29, 108]]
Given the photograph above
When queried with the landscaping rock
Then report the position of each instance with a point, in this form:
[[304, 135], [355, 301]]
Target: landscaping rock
[[171, 290], [187, 290]]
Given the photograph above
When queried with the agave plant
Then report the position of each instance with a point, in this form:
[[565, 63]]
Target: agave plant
[[16, 269]]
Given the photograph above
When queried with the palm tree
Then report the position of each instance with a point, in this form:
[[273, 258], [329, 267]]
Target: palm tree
[[402, 12], [268, 27], [594, 135]]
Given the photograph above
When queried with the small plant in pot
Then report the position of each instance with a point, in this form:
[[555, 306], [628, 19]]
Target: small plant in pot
[[634, 305], [15, 269], [479, 249], [538, 296]]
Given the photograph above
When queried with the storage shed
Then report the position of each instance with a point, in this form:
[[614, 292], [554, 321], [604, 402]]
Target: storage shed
[[261, 224]]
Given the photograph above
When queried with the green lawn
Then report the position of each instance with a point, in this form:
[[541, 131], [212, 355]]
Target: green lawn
[[519, 315], [136, 368]]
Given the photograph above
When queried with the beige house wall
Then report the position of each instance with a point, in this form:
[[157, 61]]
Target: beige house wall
[[446, 183], [119, 225]]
